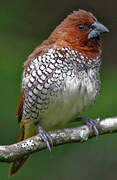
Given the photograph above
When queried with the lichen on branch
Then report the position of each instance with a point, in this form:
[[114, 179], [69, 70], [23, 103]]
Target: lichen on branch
[[10, 153]]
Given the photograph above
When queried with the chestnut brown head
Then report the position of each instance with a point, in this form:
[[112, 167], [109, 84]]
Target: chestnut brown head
[[80, 31]]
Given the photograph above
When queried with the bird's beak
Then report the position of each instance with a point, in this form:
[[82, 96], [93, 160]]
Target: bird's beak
[[96, 29]]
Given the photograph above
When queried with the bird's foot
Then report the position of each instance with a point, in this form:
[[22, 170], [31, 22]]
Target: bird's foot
[[91, 123], [45, 136]]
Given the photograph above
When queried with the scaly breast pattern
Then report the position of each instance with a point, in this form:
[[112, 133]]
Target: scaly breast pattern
[[58, 86]]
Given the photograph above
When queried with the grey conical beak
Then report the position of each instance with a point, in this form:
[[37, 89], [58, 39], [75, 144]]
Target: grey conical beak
[[96, 29]]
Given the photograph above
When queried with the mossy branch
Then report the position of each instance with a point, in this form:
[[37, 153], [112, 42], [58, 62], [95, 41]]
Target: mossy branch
[[10, 153]]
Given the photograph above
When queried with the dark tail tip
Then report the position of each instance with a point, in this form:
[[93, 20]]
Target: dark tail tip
[[15, 166]]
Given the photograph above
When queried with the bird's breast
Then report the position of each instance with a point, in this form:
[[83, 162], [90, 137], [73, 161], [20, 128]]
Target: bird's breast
[[78, 92]]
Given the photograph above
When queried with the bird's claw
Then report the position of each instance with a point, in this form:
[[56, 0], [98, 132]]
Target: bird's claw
[[45, 137], [92, 124]]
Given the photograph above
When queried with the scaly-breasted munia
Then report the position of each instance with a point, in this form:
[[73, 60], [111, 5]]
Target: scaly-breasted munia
[[60, 78]]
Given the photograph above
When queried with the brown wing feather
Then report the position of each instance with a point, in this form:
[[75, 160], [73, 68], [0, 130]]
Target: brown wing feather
[[19, 109]]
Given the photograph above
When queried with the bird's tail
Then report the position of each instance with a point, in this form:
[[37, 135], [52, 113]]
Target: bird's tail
[[27, 131]]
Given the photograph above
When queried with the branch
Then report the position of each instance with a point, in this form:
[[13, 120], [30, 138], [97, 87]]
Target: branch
[[10, 153]]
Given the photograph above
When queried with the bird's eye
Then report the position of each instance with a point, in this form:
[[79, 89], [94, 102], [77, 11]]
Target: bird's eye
[[82, 27]]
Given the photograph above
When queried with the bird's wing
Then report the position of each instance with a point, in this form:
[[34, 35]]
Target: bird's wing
[[19, 109]]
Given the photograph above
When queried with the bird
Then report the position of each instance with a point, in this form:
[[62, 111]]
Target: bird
[[61, 78]]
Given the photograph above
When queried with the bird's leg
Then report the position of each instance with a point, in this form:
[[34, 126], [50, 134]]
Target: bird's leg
[[91, 123], [45, 136]]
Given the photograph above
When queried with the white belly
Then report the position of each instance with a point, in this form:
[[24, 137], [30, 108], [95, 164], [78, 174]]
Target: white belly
[[77, 94]]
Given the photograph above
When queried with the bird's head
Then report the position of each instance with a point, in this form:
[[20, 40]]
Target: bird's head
[[80, 31]]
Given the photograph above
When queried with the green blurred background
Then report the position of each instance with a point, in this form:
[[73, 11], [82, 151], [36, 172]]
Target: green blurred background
[[25, 24]]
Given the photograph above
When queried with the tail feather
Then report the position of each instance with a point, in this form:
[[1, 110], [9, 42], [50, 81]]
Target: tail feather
[[26, 132], [15, 166]]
